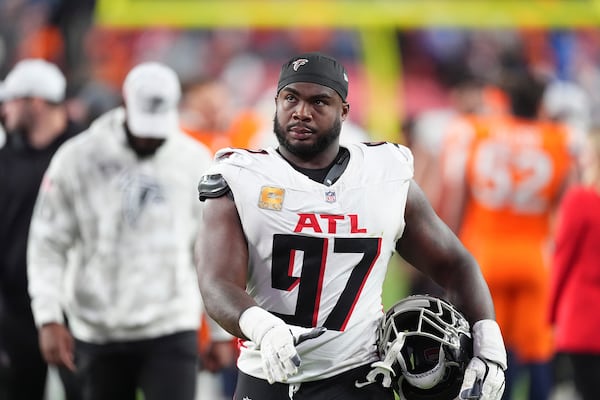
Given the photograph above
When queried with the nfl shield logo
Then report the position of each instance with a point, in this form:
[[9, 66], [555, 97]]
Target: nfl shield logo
[[330, 196]]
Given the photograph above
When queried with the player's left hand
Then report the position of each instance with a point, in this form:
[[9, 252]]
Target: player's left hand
[[484, 380]]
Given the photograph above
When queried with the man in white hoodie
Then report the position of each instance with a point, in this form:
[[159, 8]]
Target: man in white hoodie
[[111, 247]]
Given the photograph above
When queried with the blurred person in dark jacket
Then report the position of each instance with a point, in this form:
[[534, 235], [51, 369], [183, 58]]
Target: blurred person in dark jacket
[[37, 124]]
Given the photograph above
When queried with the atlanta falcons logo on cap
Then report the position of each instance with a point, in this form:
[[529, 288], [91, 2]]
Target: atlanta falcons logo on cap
[[298, 63]]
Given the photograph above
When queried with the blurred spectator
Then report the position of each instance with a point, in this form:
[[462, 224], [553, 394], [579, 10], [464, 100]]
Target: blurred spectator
[[568, 103], [209, 116], [204, 111], [37, 122], [430, 127], [38, 38], [111, 247], [575, 274], [503, 177]]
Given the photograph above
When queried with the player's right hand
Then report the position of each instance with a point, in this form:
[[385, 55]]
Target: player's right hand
[[276, 342], [280, 359]]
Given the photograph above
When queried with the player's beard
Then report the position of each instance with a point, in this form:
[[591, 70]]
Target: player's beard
[[303, 150]]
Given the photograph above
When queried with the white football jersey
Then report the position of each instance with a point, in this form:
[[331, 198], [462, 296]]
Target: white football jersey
[[319, 254]]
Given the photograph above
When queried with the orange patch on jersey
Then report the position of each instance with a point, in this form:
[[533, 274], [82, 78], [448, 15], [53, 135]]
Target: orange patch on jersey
[[271, 198]]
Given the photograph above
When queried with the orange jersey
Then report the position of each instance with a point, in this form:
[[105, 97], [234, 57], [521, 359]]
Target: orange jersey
[[514, 171], [240, 133]]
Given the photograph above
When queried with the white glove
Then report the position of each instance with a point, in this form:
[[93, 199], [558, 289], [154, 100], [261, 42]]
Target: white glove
[[280, 360], [276, 342], [484, 376], [484, 380]]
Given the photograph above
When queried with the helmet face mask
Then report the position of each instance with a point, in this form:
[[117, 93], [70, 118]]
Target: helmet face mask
[[432, 344]]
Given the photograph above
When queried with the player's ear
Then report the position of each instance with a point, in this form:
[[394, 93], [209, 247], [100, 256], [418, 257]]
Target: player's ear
[[345, 110]]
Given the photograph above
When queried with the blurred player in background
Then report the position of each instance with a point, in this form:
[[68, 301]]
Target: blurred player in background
[[208, 115], [426, 135], [503, 177]]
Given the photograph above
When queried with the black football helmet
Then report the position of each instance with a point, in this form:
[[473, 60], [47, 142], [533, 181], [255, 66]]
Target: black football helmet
[[429, 344]]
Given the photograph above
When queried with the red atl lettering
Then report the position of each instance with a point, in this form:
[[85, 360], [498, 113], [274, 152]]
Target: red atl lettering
[[312, 222], [332, 224], [308, 221], [354, 224]]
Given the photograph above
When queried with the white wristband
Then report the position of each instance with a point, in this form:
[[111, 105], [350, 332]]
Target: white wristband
[[488, 343], [255, 322]]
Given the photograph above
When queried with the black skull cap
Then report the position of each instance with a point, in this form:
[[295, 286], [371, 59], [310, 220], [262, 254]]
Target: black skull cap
[[315, 68]]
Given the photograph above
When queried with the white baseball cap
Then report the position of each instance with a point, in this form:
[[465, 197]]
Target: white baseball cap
[[35, 78], [151, 91]]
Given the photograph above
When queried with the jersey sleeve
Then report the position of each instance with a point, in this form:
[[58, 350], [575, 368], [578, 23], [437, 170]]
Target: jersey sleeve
[[397, 160]]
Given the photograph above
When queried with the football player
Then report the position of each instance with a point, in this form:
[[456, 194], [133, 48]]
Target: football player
[[295, 243], [503, 177]]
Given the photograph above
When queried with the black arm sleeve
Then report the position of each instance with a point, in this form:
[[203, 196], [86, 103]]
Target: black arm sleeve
[[212, 186]]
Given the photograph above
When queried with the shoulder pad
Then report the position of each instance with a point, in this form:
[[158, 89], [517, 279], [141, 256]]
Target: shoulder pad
[[212, 186]]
